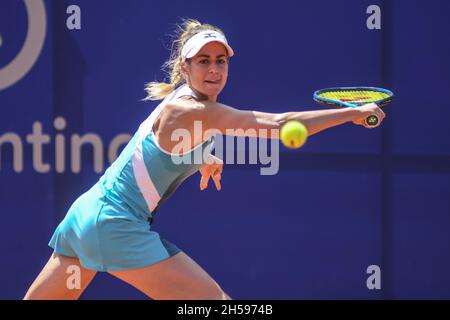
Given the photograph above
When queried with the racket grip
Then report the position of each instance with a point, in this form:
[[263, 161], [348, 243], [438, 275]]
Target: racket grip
[[372, 120]]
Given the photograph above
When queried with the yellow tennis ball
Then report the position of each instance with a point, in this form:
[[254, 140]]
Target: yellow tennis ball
[[293, 134]]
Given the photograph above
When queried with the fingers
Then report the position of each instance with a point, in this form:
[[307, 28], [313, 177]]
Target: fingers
[[211, 171], [216, 179], [370, 109], [204, 180], [381, 115], [205, 171]]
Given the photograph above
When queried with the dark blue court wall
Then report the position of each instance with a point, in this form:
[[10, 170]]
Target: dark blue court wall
[[351, 198]]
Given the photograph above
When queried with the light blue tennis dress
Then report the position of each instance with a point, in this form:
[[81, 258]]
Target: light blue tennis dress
[[107, 227]]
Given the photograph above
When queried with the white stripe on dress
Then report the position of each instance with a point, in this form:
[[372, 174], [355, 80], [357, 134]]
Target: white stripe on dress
[[143, 179]]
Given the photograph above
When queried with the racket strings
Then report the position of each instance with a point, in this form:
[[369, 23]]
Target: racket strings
[[355, 95]]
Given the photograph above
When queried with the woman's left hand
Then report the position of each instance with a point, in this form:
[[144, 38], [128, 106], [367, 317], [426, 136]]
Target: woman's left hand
[[214, 170]]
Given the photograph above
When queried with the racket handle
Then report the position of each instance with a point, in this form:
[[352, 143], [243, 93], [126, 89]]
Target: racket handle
[[372, 120]]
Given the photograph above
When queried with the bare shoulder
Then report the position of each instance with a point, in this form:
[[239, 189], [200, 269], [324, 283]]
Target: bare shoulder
[[185, 111], [188, 108], [187, 103], [182, 106], [181, 113]]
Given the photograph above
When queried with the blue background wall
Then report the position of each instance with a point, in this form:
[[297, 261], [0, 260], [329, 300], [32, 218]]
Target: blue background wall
[[350, 198]]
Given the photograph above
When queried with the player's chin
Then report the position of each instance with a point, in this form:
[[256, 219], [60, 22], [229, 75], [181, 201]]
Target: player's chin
[[213, 88]]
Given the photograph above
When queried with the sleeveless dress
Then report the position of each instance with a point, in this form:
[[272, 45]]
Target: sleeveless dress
[[108, 227]]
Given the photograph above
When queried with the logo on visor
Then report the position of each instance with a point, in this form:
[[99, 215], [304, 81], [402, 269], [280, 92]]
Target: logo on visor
[[209, 35]]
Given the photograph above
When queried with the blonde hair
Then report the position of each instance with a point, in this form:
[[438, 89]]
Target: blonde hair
[[189, 27]]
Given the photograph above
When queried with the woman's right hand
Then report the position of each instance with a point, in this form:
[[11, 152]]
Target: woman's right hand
[[367, 110]]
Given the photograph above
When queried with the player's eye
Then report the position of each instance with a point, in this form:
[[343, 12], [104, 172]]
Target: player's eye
[[204, 61], [221, 61]]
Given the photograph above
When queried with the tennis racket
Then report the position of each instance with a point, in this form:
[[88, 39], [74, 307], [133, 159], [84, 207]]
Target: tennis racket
[[354, 97]]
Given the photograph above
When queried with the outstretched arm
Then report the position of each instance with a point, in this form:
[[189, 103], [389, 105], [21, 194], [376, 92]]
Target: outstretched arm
[[223, 117], [215, 117]]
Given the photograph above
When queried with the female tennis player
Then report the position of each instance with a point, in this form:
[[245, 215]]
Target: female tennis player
[[106, 229]]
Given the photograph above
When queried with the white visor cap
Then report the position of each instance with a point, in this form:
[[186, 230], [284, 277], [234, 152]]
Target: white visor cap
[[195, 43]]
